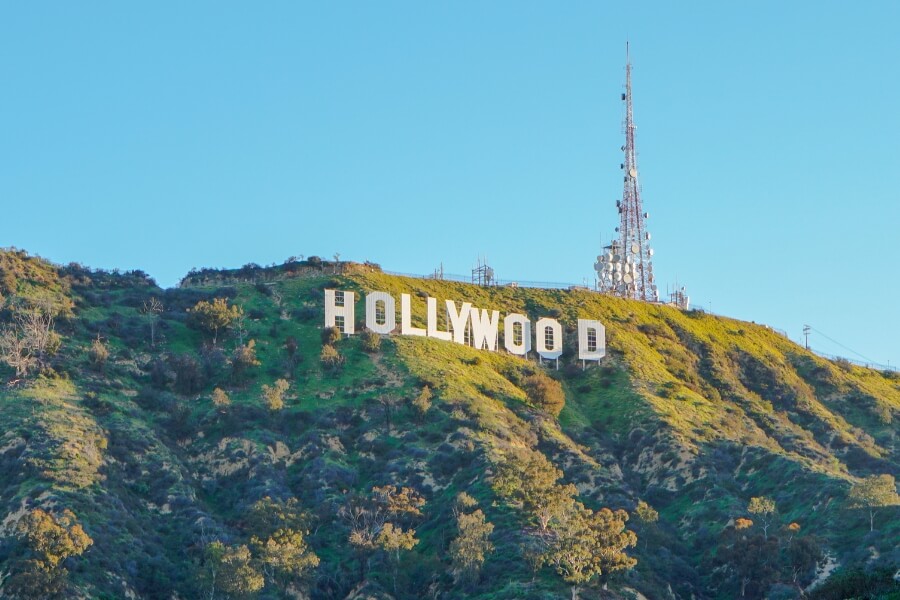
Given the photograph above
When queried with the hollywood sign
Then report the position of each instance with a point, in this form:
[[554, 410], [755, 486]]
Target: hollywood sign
[[465, 324]]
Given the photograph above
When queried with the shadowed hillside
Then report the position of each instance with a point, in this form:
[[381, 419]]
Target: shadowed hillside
[[217, 441]]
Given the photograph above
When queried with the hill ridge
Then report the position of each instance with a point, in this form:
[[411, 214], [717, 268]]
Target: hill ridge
[[692, 413]]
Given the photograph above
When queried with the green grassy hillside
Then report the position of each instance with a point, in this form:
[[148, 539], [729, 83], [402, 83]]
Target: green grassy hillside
[[116, 420]]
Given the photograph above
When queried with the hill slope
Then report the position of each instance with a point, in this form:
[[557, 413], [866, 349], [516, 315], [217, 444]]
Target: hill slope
[[692, 413]]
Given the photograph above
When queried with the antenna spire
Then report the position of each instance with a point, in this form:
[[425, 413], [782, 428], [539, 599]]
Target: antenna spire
[[626, 270]]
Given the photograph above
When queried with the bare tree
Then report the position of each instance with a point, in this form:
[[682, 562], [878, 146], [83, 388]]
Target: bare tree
[[16, 351], [152, 308], [29, 340], [239, 325]]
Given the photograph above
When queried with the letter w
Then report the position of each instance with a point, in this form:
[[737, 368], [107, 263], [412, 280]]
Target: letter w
[[484, 328]]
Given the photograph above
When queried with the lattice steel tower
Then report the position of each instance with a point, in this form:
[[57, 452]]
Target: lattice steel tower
[[625, 268]]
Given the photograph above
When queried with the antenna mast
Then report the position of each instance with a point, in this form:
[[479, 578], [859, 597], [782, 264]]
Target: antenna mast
[[626, 270]]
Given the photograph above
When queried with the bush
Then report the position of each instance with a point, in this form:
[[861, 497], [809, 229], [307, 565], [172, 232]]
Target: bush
[[243, 359], [331, 359], [330, 336], [273, 396], [856, 583], [220, 399], [371, 341], [189, 377], [545, 393], [98, 354]]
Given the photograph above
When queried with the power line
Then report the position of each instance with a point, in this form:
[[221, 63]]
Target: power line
[[866, 358]]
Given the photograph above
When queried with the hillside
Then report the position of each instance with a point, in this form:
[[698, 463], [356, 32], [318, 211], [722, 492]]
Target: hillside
[[164, 435]]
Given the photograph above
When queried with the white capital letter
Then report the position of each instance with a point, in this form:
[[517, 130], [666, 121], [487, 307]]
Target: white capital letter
[[509, 334], [484, 328], [390, 312], [549, 338], [432, 322], [344, 309], [591, 339], [458, 320], [406, 327]]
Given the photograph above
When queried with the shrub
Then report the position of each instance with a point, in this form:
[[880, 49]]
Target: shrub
[[331, 359], [371, 341], [243, 359], [98, 354], [330, 336], [422, 402], [220, 399], [273, 396], [189, 377], [545, 393]]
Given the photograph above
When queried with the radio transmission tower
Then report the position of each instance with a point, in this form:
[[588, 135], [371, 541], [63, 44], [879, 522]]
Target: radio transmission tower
[[625, 268]]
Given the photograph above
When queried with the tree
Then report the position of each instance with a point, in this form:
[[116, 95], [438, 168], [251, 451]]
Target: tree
[[528, 478], [30, 340], [53, 539], [377, 521], [230, 571], [803, 554], [17, 351], [646, 516], [47, 541], [285, 556], [645, 513], [586, 544], [274, 395], [472, 545], [239, 325], [393, 538], [291, 348], [388, 403], [764, 509], [422, 402], [213, 316], [748, 559], [267, 516], [872, 493], [152, 309]]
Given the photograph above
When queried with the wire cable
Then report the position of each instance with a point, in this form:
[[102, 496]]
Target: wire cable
[[866, 358]]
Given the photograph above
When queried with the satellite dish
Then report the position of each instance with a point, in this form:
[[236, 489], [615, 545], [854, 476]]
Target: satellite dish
[[629, 259], [635, 247], [617, 277], [650, 251], [632, 172], [616, 258], [647, 235], [627, 278]]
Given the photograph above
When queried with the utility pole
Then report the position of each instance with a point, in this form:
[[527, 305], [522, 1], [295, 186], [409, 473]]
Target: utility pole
[[806, 329]]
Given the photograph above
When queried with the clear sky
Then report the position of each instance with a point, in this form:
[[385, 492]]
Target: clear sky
[[169, 135]]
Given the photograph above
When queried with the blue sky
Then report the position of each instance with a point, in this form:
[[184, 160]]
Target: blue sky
[[167, 136]]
